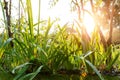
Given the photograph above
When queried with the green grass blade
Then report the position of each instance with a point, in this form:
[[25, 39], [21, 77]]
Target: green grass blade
[[32, 75], [22, 68], [2, 48], [36, 72], [39, 16], [30, 16], [21, 45], [95, 69], [7, 42], [48, 27], [38, 23], [87, 54], [112, 62], [3, 12]]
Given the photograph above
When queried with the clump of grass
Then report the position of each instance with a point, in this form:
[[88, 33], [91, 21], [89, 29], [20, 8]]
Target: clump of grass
[[53, 51]]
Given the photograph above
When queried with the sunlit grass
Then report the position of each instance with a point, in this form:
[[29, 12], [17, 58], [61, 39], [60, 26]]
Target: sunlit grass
[[56, 51]]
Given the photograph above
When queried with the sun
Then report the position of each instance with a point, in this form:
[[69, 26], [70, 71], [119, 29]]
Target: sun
[[89, 23], [88, 19]]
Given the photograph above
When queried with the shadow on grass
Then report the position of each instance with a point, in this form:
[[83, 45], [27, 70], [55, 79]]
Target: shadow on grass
[[8, 76], [5, 76], [74, 77]]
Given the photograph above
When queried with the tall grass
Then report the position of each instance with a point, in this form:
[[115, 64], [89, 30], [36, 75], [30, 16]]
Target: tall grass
[[55, 51]]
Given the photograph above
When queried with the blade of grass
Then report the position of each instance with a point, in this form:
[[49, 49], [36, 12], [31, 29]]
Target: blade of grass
[[22, 71], [50, 24], [88, 53], [21, 45], [30, 17], [112, 62], [2, 48], [39, 16], [3, 12], [20, 66], [32, 75], [94, 68]]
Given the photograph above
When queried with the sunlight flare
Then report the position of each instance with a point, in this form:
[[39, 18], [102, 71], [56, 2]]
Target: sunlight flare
[[88, 22]]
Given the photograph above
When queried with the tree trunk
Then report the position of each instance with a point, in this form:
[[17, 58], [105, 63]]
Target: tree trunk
[[8, 16]]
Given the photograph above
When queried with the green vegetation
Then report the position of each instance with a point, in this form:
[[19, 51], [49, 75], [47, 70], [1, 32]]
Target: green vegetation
[[54, 54]]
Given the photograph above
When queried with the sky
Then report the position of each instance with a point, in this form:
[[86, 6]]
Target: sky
[[61, 10]]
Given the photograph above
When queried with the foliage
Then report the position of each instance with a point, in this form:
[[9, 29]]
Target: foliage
[[35, 53]]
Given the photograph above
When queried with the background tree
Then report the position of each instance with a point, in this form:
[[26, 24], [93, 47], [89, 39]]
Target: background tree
[[106, 14], [7, 8]]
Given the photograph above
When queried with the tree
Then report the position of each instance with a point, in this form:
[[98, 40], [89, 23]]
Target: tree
[[8, 17], [106, 13]]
